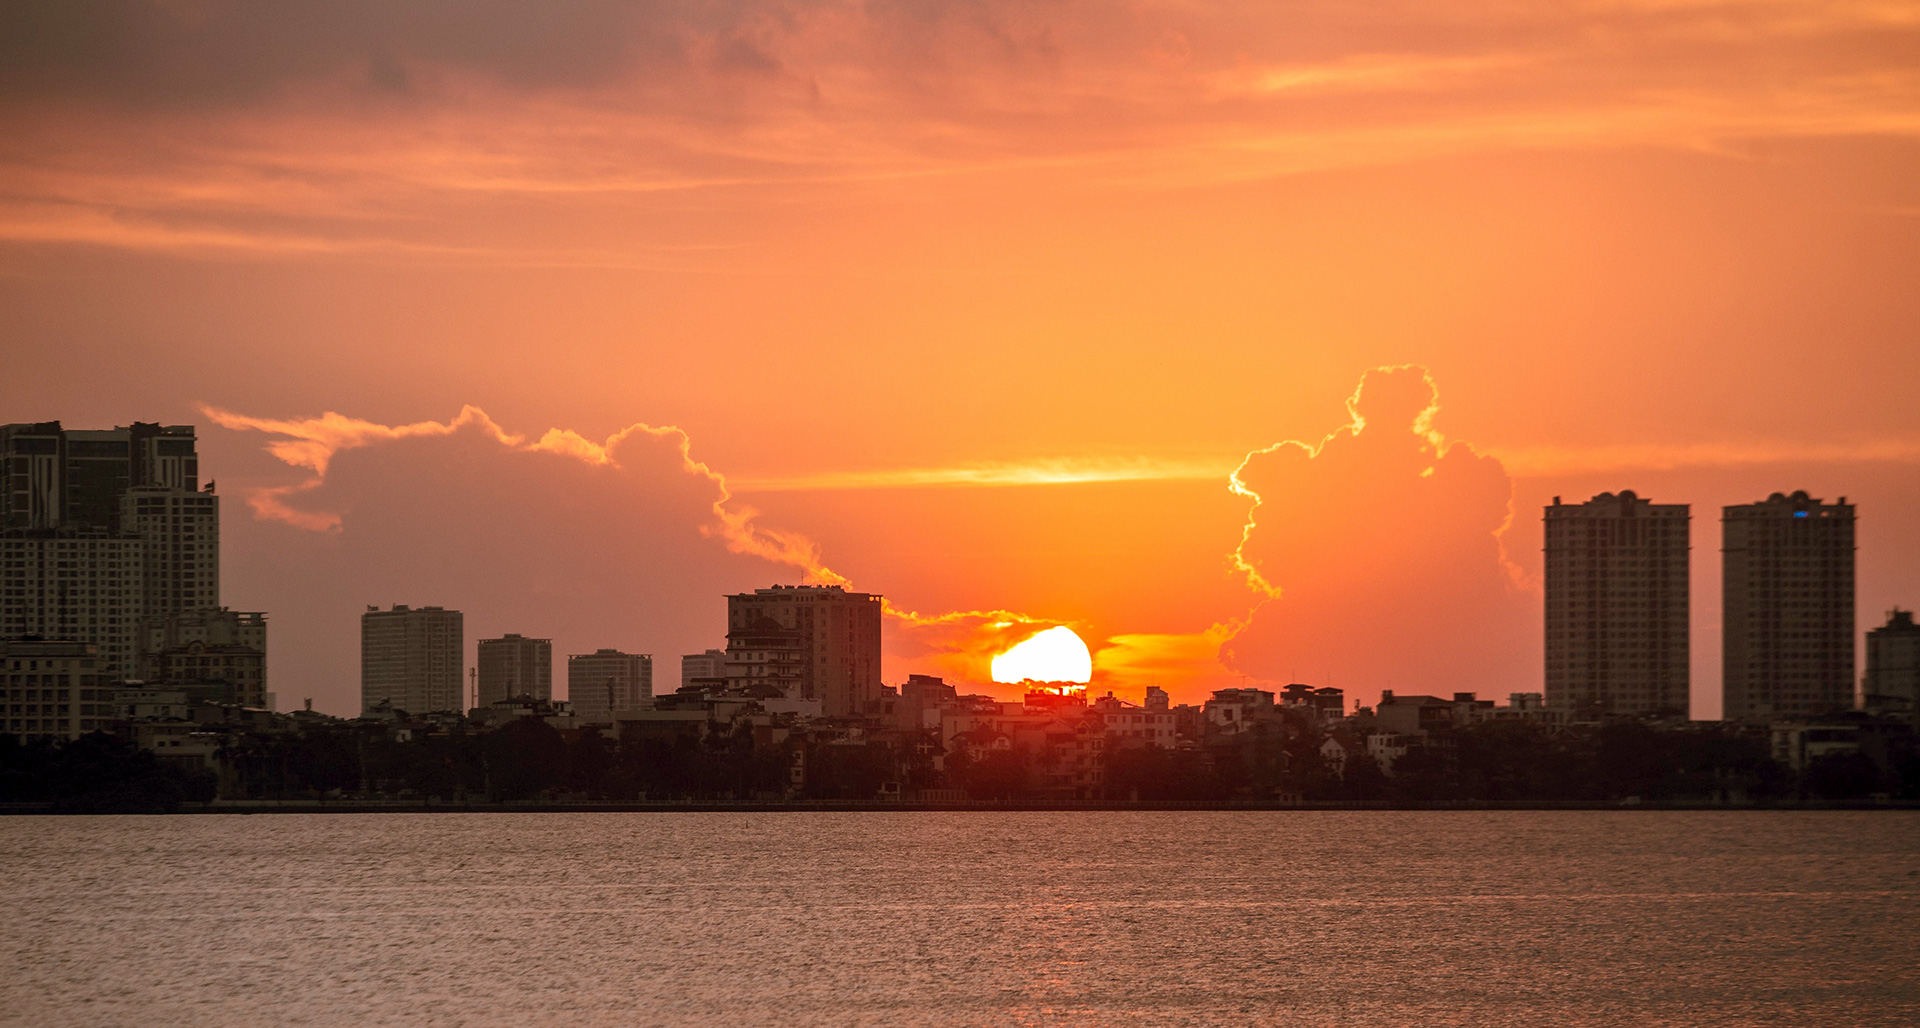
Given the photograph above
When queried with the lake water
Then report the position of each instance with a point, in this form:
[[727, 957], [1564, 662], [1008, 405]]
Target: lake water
[[1078, 918]]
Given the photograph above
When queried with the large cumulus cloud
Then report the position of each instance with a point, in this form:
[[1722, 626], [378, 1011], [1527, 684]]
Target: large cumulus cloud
[[628, 542], [1381, 549]]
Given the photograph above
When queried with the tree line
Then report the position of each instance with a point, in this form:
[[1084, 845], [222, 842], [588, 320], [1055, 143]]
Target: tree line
[[1499, 761]]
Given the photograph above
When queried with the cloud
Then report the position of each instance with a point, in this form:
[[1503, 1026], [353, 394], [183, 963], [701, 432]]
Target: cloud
[[1058, 471], [1379, 549], [313, 443], [1186, 664], [180, 123], [958, 645], [140, 53], [537, 534], [1524, 461], [1533, 461]]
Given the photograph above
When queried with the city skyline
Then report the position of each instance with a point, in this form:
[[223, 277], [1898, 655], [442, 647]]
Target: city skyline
[[1607, 558], [1520, 675], [994, 340]]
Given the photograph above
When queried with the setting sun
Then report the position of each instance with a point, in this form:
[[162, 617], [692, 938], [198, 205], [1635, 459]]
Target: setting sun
[[1055, 655]]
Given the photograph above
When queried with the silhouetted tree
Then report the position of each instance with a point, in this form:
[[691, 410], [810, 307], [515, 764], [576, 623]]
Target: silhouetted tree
[[837, 771], [590, 760], [1363, 779], [1842, 776], [998, 774], [525, 758], [1423, 774], [1514, 760], [1159, 775], [98, 774]]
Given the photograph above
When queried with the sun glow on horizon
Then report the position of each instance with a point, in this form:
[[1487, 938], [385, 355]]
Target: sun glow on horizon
[[1055, 655]]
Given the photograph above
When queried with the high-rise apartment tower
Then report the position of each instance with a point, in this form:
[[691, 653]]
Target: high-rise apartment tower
[[703, 669], [1787, 603], [411, 659], [1892, 681], [514, 667], [1616, 606], [604, 681], [811, 642], [102, 530]]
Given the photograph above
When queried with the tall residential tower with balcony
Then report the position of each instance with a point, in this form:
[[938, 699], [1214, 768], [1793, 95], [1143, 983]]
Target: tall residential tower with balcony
[[514, 667], [1787, 607], [604, 681], [1616, 606], [102, 531], [411, 659]]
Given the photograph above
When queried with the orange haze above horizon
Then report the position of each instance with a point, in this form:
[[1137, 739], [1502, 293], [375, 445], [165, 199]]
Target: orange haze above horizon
[[1243, 342]]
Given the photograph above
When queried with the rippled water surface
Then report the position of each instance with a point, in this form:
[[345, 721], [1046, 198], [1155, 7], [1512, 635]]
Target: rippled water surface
[[1096, 918]]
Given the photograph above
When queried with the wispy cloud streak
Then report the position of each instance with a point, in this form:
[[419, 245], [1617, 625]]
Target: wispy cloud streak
[[1538, 461], [1059, 471]]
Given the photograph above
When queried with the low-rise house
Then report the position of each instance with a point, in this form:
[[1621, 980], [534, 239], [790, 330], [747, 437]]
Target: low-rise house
[[184, 743], [1129, 725], [1801, 742], [558, 713], [1325, 705], [1528, 706], [144, 704], [1423, 715], [1232, 711], [1337, 750]]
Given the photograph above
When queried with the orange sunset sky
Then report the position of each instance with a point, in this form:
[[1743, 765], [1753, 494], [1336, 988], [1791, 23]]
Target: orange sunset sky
[[577, 316]]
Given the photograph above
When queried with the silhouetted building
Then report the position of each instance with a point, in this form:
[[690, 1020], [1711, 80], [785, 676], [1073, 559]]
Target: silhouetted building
[[1338, 750], [1892, 682], [54, 690], [1232, 711], [215, 673], [604, 681], [220, 627], [1787, 598], [100, 530], [79, 585], [921, 700], [1420, 716], [149, 704], [54, 478], [1885, 742], [1530, 706], [811, 642], [556, 713], [216, 656], [514, 667], [703, 669], [411, 659], [1325, 703], [1128, 726], [1066, 698], [1616, 606], [179, 530]]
